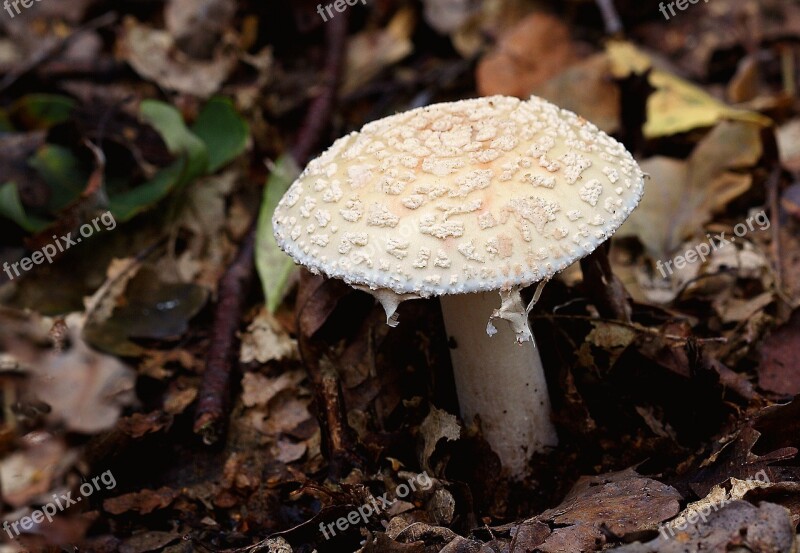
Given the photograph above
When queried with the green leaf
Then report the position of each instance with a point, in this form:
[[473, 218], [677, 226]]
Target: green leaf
[[42, 111], [223, 131], [127, 205], [62, 172], [5, 122], [11, 207], [192, 162], [274, 267], [167, 120]]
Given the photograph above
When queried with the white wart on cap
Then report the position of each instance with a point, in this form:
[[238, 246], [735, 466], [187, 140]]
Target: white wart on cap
[[484, 194]]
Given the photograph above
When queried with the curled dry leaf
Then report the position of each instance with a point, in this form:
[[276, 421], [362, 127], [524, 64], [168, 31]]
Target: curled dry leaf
[[29, 473], [265, 340], [739, 525], [258, 390], [152, 54], [438, 425], [86, 390], [369, 52], [680, 197], [620, 503], [676, 106]]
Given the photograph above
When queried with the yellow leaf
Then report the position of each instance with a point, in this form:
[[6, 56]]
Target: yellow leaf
[[677, 105]]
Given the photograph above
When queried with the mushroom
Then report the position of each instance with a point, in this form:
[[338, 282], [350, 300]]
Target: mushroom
[[463, 200]]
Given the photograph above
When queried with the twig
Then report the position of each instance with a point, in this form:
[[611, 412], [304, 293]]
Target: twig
[[47, 53], [773, 185], [606, 290], [610, 17], [632, 326], [319, 113], [233, 289], [235, 284]]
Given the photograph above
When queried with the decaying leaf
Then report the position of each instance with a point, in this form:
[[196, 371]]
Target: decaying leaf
[[437, 425], [265, 340], [528, 55], [153, 55], [676, 105], [369, 52], [680, 197], [779, 371], [738, 525]]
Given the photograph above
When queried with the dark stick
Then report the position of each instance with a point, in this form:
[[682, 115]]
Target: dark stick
[[610, 16], [41, 57], [235, 284], [603, 288], [212, 401], [319, 113]]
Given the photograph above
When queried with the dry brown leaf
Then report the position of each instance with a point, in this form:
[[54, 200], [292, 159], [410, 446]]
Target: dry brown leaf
[[265, 340], [680, 197], [779, 370], [528, 55], [586, 88], [84, 388], [258, 390], [143, 502], [29, 473], [438, 425], [369, 52], [153, 55]]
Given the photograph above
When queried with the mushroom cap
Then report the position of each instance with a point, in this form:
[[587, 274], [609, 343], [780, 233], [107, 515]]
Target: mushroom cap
[[459, 197]]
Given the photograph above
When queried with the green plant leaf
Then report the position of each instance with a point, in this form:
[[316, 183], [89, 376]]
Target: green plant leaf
[[127, 205], [192, 162], [274, 267], [11, 207], [62, 172], [167, 120], [5, 122], [42, 111], [223, 131]]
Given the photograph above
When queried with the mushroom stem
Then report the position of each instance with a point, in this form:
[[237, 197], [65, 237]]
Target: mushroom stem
[[500, 380]]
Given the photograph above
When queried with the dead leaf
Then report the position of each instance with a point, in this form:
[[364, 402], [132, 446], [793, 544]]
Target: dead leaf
[[153, 55], [258, 390], [29, 473], [676, 106], [266, 340], [143, 502], [198, 24], [737, 525], [586, 88], [447, 16], [438, 425], [680, 197], [84, 388], [369, 52], [528, 55], [779, 370]]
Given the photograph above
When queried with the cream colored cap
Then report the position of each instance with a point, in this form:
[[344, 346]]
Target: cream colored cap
[[475, 195]]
